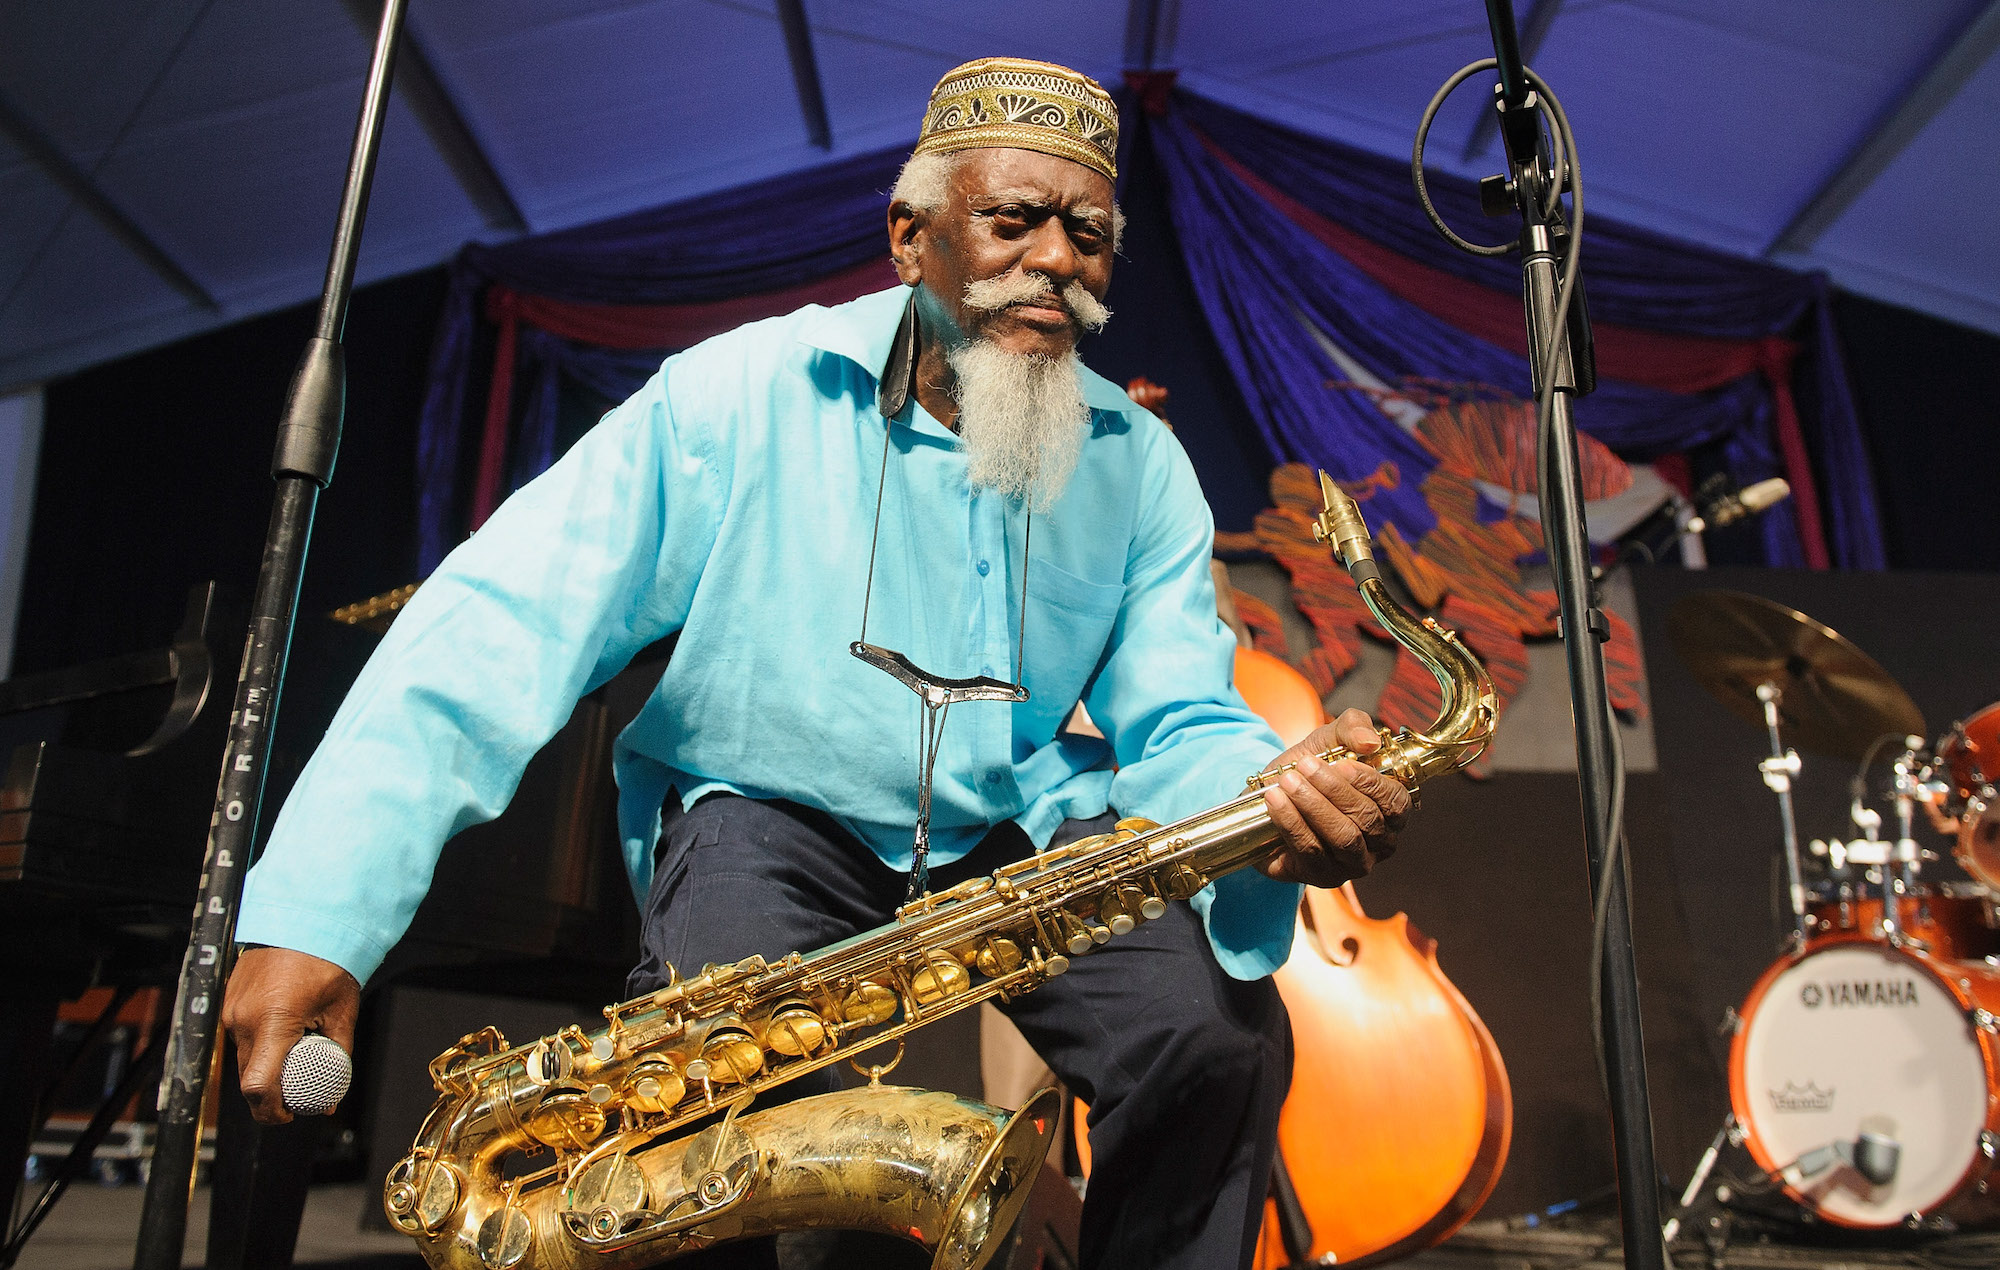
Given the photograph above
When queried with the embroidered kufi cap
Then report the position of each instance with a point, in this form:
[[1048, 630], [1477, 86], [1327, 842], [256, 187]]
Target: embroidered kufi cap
[[1013, 103]]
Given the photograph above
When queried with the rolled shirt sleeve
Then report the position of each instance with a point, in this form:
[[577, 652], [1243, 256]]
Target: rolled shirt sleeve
[[549, 599]]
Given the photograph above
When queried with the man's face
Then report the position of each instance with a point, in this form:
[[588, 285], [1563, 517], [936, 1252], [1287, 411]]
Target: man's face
[[1009, 212]]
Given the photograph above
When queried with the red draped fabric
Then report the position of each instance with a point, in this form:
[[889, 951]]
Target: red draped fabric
[[633, 326]]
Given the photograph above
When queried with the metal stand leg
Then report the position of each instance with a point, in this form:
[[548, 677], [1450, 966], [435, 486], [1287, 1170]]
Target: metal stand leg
[[1778, 772], [257, 1193], [1700, 1179]]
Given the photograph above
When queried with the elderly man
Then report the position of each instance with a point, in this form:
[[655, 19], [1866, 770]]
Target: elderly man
[[933, 471]]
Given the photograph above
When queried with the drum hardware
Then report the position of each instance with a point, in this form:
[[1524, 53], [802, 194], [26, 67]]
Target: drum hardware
[[1778, 771], [1731, 1133], [1773, 666], [1906, 784]]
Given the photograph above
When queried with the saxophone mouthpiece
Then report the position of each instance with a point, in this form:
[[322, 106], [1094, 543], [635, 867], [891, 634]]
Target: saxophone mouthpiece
[[1341, 527]]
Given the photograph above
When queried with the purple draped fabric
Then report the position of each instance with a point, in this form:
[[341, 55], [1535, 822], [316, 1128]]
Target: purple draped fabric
[[764, 237], [1268, 288], [1258, 275]]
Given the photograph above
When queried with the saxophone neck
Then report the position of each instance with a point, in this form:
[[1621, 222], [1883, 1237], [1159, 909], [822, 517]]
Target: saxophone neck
[[1466, 709]]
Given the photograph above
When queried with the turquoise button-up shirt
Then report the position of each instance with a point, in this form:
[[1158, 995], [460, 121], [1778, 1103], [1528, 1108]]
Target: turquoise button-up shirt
[[731, 500]]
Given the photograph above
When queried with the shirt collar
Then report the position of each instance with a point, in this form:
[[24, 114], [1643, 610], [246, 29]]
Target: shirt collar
[[862, 330]]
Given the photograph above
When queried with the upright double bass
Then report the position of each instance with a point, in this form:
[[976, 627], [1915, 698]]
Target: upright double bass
[[1399, 1116]]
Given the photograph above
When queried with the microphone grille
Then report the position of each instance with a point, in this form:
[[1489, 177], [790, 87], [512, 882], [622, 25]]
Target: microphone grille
[[1769, 493], [316, 1076]]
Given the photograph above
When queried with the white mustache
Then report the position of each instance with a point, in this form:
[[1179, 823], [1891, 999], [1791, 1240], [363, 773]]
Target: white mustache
[[1009, 289]]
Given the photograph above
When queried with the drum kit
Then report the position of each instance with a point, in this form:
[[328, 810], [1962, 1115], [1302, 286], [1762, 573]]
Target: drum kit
[[1864, 1071]]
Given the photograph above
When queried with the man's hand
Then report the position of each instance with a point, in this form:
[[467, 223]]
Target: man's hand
[[1337, 819], [275, 996]]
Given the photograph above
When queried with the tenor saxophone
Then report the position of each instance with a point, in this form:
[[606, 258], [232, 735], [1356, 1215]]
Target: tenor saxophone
[[633, 1144]]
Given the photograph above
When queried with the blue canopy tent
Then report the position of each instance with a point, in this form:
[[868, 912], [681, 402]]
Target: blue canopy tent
[[167, 166]]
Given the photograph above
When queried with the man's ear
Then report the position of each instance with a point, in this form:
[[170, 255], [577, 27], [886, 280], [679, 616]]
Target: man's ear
[[905, 223]]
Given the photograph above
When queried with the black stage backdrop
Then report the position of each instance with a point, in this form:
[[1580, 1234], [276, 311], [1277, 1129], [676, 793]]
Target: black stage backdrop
[[1929, 396], [155, 475]]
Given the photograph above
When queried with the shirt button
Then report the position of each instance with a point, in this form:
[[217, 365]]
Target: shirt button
[[984, 568], [993, 777]]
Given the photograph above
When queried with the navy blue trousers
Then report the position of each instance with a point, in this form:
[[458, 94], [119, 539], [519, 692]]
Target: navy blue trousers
[[1184, 1068]]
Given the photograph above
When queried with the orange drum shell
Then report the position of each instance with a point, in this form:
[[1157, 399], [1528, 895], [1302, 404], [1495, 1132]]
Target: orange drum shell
[[1952, 927], [1971, 1201], [1972, 752], [1978, 849]]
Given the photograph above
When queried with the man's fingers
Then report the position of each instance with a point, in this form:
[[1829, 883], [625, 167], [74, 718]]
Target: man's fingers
[[1357, 731], [1338, 814], [1317, 828], [261, 1065], [1336, 785], [275, 996], [1388, 795], [1287, 819]]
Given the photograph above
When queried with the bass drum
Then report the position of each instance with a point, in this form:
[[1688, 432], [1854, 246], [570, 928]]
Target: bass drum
[[1857, 1037]]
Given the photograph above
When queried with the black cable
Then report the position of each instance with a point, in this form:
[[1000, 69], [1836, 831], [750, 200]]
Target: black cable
[[1611, 829]]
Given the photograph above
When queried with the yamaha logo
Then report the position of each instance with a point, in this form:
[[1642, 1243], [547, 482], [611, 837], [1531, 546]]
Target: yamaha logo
[[1811, 996]]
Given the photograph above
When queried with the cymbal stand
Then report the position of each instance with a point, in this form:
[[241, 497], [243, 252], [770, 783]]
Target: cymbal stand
[[1779, 770], [1908, 772]]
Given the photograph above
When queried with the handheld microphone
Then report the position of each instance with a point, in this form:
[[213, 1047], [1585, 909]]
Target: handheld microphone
[[316, 1075]]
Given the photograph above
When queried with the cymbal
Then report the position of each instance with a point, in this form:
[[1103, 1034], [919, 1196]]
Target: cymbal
[[1834, 698]]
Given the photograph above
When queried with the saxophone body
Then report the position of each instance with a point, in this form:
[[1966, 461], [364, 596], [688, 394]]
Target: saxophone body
[[632, 1144]]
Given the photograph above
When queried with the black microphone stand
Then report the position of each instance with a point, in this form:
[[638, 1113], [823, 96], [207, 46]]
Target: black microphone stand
[[1559, 354], [1563, 368], [308, 442]]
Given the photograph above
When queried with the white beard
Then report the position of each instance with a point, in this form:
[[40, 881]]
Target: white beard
[[1021, 418]]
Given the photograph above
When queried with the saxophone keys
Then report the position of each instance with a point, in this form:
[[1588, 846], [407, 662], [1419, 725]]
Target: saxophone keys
[[503, 1237], [1137, 824], [942, 976], [567, 1120], [868, 1004], [1124, 907], [796, 1030], [732, 1057], [998, 957], [608, 1190], [421, 1194], [1183, 882], [1152, 907], [654, 1086], [549, 1062]]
